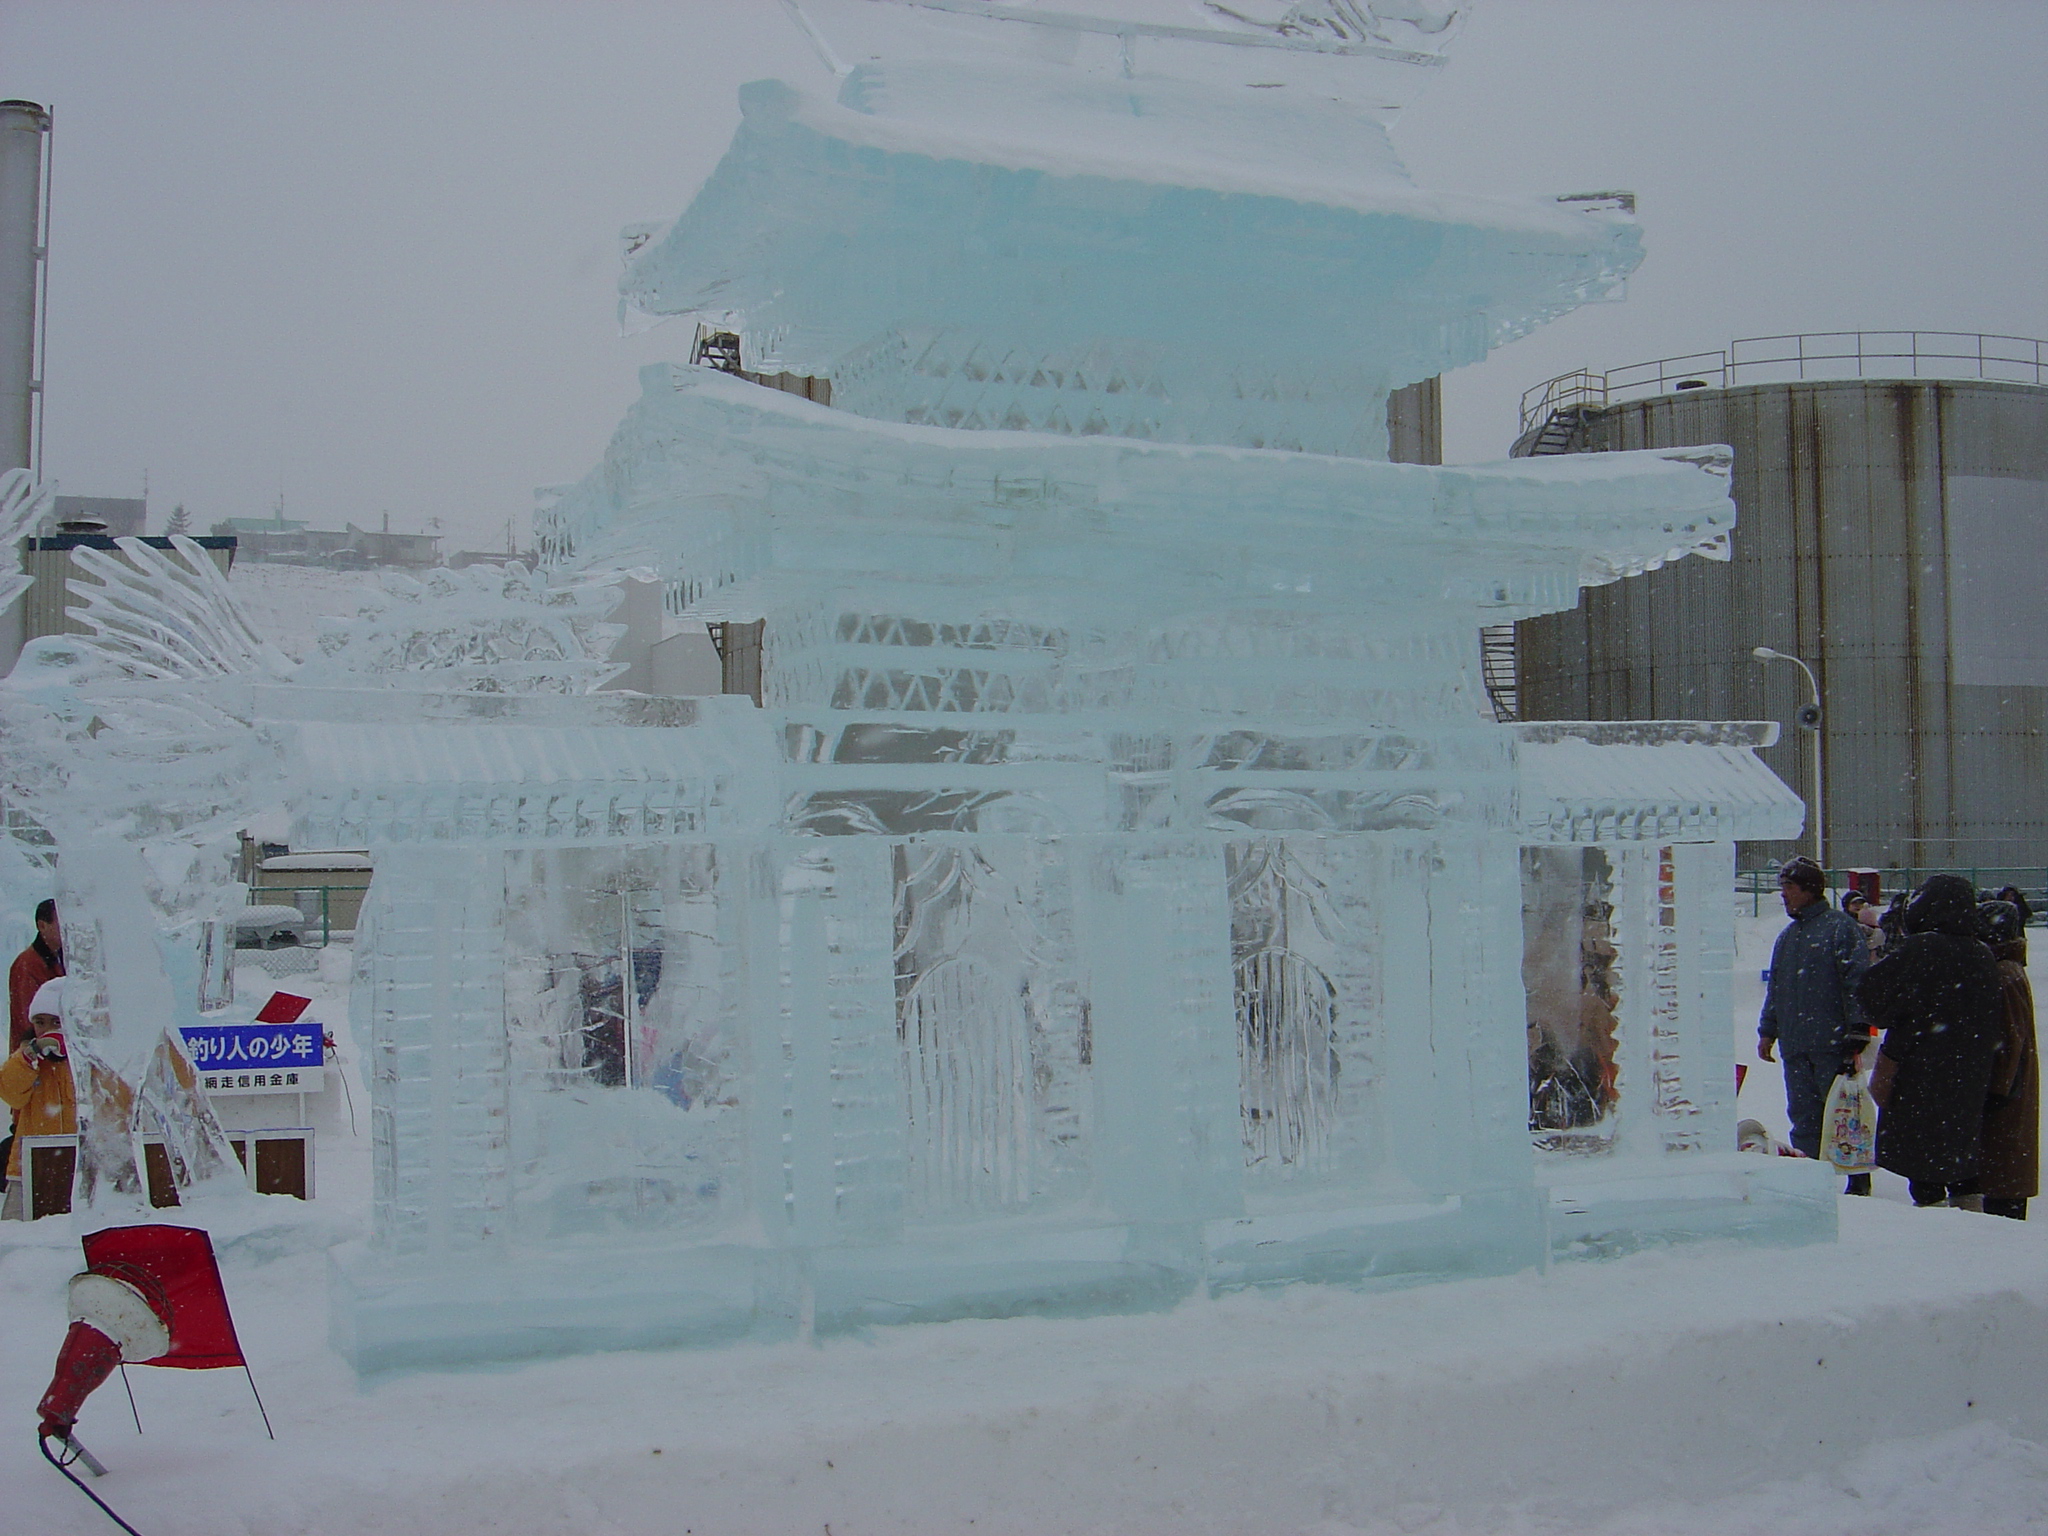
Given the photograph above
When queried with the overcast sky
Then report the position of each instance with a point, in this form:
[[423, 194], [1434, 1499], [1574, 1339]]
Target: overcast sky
[[365, 254]]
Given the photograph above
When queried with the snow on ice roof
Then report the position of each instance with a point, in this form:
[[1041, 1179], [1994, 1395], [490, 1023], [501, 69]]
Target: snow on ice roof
[[1591, 782]]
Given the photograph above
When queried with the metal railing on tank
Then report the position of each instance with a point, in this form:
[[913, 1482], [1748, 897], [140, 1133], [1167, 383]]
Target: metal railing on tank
[[1789, 359]]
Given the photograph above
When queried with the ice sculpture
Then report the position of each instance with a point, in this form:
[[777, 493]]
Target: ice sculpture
[[1122, 889], [485, 629], [135, 749], [23, 504], [24, 868], [141, 747]]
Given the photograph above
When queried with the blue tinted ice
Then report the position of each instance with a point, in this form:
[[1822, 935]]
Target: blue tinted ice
[[1122, 887]]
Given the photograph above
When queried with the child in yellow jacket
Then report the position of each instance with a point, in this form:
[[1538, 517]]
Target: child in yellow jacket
[[35, 1082]]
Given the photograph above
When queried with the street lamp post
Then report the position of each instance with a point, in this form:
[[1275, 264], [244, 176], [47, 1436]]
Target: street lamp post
[[1808, 719]]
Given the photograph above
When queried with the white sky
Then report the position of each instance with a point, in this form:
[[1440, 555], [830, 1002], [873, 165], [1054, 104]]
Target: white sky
[[365, 252]]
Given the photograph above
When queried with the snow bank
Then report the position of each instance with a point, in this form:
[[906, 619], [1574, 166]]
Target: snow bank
[[285, 603], [1703, 1389]]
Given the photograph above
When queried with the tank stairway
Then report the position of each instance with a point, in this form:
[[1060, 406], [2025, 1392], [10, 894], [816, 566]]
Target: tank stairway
[[1497, 670], [1563, 431]]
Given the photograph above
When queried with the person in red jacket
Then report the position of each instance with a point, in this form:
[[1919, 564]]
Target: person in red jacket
[[42, 961]]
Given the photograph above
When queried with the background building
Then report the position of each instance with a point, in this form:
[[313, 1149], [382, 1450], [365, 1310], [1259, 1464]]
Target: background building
[[1893, 490], [123, 515], [282, 541], [47, 607]]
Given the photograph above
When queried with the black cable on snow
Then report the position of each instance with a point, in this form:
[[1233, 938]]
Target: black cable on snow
[[43, 1441]]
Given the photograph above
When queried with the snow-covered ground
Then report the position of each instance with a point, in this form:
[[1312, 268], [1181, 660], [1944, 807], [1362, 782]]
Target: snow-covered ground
[[1894, 1382], [285, 603]]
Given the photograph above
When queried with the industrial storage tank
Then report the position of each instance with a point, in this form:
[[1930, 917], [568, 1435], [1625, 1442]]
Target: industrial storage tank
[[1893, 535]]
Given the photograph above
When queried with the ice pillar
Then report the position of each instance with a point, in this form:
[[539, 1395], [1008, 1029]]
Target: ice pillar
[[434, 990]]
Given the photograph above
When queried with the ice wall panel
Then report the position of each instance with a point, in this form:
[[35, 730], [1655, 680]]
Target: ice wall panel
[[438, 1051]]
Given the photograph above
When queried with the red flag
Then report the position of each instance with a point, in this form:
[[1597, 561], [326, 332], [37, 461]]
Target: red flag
[[283, 1008], [177, 1265]]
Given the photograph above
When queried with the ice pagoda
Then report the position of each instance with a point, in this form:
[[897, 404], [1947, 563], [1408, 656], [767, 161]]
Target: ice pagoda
[[1122, 887]]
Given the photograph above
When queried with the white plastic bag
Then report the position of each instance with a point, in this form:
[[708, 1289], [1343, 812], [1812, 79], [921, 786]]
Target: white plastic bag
[[1848, 1135]]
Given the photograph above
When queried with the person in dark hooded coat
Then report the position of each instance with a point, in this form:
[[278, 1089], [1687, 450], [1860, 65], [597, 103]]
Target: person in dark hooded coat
[[1937, 997], [2010, 1174]]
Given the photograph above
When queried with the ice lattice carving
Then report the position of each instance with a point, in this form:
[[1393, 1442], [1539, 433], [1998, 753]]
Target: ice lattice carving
[[486, 629]]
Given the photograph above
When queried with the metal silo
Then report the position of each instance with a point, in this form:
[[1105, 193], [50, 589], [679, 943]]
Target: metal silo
[[1893, 534]]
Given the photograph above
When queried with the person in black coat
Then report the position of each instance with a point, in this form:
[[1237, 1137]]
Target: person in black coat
[[1936, 995], [2017, 897], [2010, 1175]]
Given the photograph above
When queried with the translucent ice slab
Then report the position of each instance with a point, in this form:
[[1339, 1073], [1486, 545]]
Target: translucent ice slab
[[1238, 289], [734, 486]]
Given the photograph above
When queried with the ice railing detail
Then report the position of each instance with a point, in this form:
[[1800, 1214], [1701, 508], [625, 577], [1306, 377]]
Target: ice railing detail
[[487, 629]]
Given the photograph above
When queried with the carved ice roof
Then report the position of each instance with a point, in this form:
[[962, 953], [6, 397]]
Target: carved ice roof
[[1651, 781], [1229, 239], [748, 489]]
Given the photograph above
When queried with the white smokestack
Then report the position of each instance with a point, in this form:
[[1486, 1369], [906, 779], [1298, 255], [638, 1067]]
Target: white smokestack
[[24, 127]]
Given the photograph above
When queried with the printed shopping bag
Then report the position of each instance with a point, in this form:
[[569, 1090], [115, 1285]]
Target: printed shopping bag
[[1848, 1136]]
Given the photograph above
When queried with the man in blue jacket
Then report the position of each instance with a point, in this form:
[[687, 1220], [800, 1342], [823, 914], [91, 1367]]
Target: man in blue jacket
[[1810, 1016]]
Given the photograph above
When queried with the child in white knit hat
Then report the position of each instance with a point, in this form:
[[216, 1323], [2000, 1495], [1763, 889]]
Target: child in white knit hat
[[35, 1082]]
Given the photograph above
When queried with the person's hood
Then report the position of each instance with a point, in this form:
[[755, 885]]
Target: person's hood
[[2012, 949], [1944, 904]]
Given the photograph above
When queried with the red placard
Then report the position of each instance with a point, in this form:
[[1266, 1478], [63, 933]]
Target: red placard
[[173, 1265], [283, 1008]]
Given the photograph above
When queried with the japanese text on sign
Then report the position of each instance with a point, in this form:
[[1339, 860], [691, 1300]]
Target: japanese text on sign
[[252, 1058]]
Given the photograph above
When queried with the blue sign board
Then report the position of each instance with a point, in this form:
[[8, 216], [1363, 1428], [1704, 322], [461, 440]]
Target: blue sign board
[[257, 1058]]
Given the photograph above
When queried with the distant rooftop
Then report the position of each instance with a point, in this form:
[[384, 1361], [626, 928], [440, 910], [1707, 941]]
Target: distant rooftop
[[259, 525], [121, 514]]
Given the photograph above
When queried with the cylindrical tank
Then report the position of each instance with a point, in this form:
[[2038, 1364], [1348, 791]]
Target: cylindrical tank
[[22, 126], [1893, 534]]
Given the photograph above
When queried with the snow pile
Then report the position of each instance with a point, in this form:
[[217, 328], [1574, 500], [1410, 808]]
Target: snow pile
[[1889, 1384], [285, 603]]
